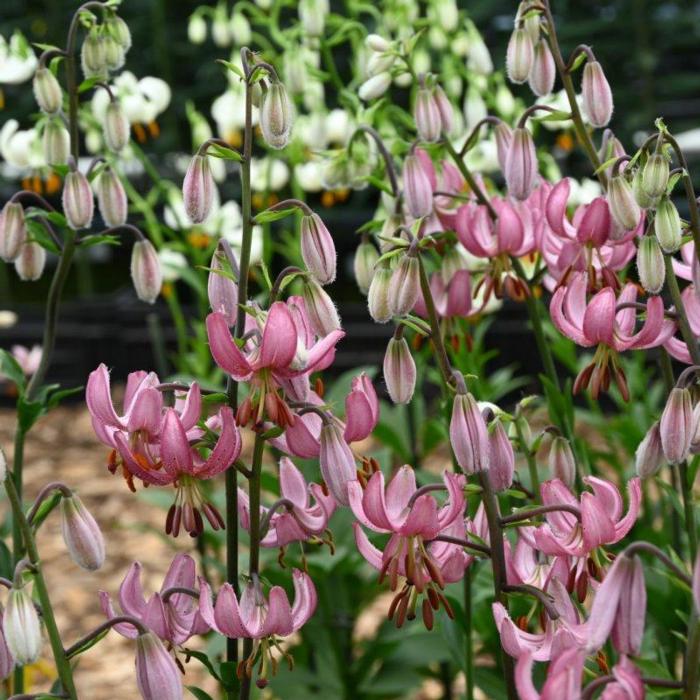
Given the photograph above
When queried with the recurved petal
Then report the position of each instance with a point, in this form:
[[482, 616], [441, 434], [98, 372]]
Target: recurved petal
[[224, 350], [131, 596], [175, 450], [227, 448], [279, 340], [599, 319], [227, 613], [366, 548], [293, 484], [278, 620], [305, 598], [99, 399]]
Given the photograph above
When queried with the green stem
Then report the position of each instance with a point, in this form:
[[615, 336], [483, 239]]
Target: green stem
[[688, 510], [471, 180], [468, 642], [329, 63], [691, 663], [531, 461], [178, 319], [683, 324]]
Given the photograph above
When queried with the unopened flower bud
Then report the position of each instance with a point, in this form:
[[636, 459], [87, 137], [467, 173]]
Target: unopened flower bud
[[427, 116], [418, 194], [312, 16], [276, 116], [501, 458], [596, 94], [404, 287], [667, 226], [111, 198], [380, 63], [119, 30], [378, 295], [336, 461], [320, 307], [197, 29], [655, 175], [222, 292], [47, 90], [521, 164], [531, 23], [649, 455], [676, 425], [93, 56], [375, 86], [56, 143], [366, 257], [22, 628], [445, 108], [650, 265], [13, 231], [146, 273], [30, 262], [623, 206], [198, 189], [543, 71], [562, 464], [81, 534], [241, 32], [157, 675], [468, 435], [116, 127], [114, 53], [78, 203], [318, 249], [520, 55], [377, 43], [504, 137], [399, 371]]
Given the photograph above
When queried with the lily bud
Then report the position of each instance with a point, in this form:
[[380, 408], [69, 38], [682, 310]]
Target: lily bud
[[399, 371], [504, 137], [543, 71], [427, 116], [47, 91], [55, 143], [623, 205], [114, 53], [111, 198], [650, 265], [655, 175], [22, 628], [640, 195], [377, 43], [596, 93], [468, 435], [501, 458], [628, 628], [198, 189], [78, 203], [118, 29], [366, 257], [649, 455], [196, 29], [375, 86], [378, 296], [676, 425], [222, 292], [445, 108], [336, 461], [418, 194], [93, 56], [521, 164], [404, 287], [116, 127], [146, 273], [520, 55], [276, 116], [13, 231], [318, 249], [81, 534], [157, 675], [562, 464], [312, 16], [667, 226], [320, 307], [30, 262]]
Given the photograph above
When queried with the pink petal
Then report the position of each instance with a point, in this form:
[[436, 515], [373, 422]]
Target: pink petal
[[227, 448], [175, 450], [146, 412], [224, 350], [319, 351], [99, 399], [366, 548], [292, 483], [599, 319], [131, 596], [305, 598], [399, 491], [374, 505], [150, 476], [278, 620], [191, 411], [227, 614], [279, 340], [422, 518], [124, 628], [155, 619]]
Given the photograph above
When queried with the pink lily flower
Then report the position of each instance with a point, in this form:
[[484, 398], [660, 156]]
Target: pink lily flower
[[452, 299], [564, 677], [675, 345], [302, 520], [601, 523], [361, 409], [526, 565], [628, 683], [174, 618]]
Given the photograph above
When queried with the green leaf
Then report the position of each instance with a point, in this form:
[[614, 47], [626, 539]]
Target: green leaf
[[98, 238], [218, 151], [56, 217], [28, 412], [39, 234], [204, 660], [11, 369], [45, 509], [266, 216], [232, 67], [557, 116], [199, 693], [88, 84]]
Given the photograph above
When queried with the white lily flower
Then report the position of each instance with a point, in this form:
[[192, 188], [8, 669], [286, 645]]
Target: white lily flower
[[21, 148], [143, 100], [268, 174], [17, 60], [309, 175]]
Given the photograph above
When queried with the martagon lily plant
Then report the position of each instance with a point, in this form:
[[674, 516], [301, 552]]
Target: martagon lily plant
[[502, 528]]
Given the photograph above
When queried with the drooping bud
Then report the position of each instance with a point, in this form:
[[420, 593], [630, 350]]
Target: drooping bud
[[520, 55], [78, 203], [504, 137], [117, 28], [623, 205], [378, 296], [445, 108], [676, 425], [366, 257], [13, 231], [650, 265], [116, 127], [114, 53], [640, 195], [596, 94], [196, 29], [655, 176], [667, 226], [649, 455], [157, 675], [404, 287], [93, 56], [146, 273], [198, 189], [276, 116], [222, 292], [81, 534], [317, 248], [628, 627], [399, 371], [562, 464], [336, 461], [521, 164], [312, 16], [375, 86], [427, 115], [418, 194], [47, 91], [22, 628], [111, 198], [56, 143], [468, 434], [320, 307], [30, 262], [501, 458], [543, 71]]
